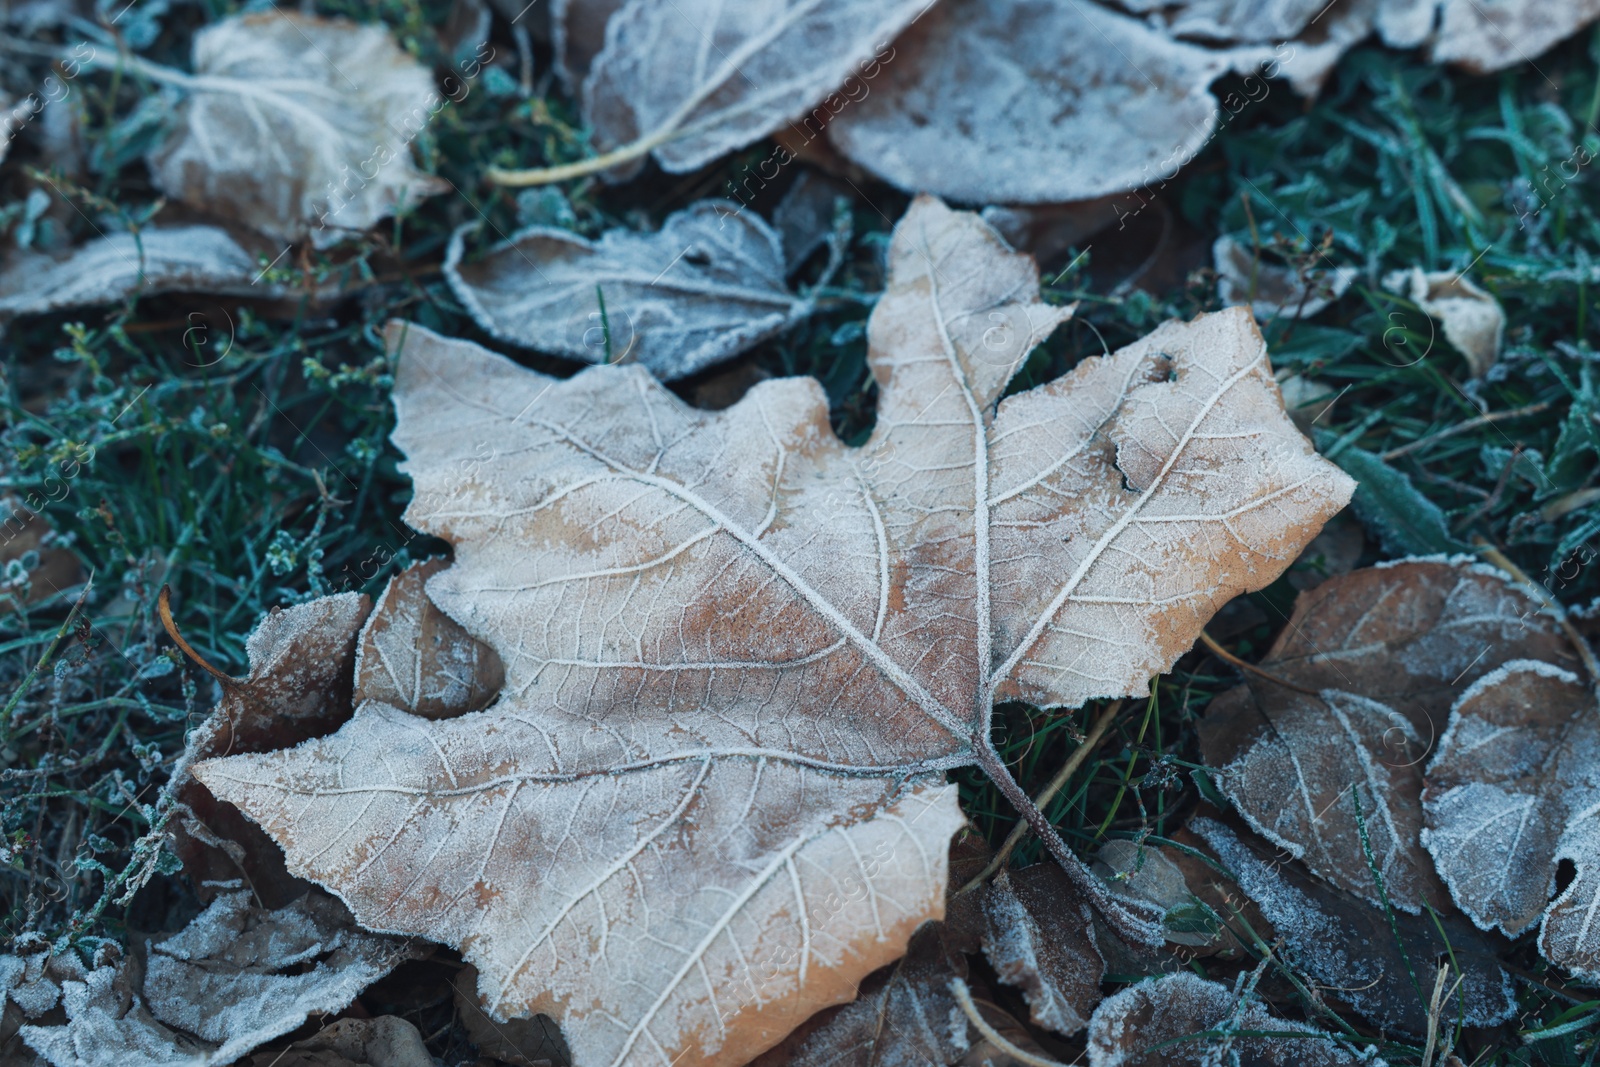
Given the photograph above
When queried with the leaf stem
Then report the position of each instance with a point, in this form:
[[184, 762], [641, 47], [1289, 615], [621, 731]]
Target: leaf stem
[[1020, 831], [1585, 653], [164, 604], [1228, 657], [988, 759]]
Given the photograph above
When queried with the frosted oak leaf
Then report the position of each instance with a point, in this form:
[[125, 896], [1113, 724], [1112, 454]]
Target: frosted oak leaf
[[738, 654]]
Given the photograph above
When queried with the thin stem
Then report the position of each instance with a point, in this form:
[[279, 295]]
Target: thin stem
[[1068, 769], [1140, 931], [164, 604], [518, 179], [1466, 427], [1228, 657]]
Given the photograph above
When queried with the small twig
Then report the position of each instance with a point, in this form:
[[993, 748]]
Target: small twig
[[1228, 657], [164, 604], [1467, 427], [1068, 769], [1435, 1009], [1585, 653], [963, 996]]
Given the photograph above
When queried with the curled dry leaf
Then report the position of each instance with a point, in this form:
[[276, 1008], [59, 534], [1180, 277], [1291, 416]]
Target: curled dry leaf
[[234, 978], [986, 101], [1472, 320], [1357, 953], [1513, 792], [297, 126], [299, 686], [703, 288], [695, 79], [738, 653], [165, 259], [414, 657], [1275, 291], [1039, 937], [1388, 649], [1183, 1020]]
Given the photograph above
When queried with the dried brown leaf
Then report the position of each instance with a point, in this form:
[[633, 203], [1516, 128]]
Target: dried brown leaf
[[703, 288], [1389, 649], [1513, 792], [739, 653], [387, 1041], [1039, 937], [1382, 965], [414, 657], [906, 1017], [695, 79], [107, 270], [236, 977], [1484, 37], [1182, 1020], [984, 102], [298, 126], [301, 661]]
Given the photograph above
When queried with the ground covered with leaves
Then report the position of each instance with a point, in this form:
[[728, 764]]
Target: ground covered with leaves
[[237, 451]]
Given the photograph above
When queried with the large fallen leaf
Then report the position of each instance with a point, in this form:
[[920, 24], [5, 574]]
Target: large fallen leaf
[[1385, 966], [703, 288], [1514, 792], [1267, 21], [297, 126], [234, 978], [695, 79], [1388, 649], [985, 101], [197, 258], [738, 654], [1183, 1020]]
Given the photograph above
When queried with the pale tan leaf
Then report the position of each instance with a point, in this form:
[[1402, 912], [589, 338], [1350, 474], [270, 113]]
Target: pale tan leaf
[[106, 270], [696, 79], [1039, 937], [298, 126], [1472, 320], [1489, 35], [414, 657], [739, 653], [1513, 792], [1389, 649], [1183, 1020], [985, 102], [703, 288]]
